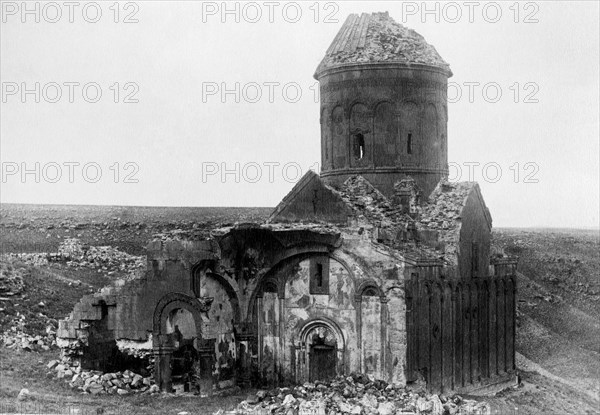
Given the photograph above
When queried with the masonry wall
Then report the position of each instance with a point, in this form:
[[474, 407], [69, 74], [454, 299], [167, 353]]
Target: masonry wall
[[264, 324], [362, 314], [401, 115]]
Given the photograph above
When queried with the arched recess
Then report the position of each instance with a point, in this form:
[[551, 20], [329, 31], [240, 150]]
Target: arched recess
[[409, 137], [201, 270], [164, 342], [384, 138], [326, 140], [339, 128], [360, 136], [272, 275], [431, 138], [371, 319], [173, 301], [369, 288], [330, 352], [221, 327]]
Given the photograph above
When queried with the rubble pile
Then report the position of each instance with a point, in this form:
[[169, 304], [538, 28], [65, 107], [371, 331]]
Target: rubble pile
[[386, 41], [449, 198], [370, 202], [193, 234], [96, 382], [444, 215], [76, 254], [17, 338], [358, 395], [106, 258]]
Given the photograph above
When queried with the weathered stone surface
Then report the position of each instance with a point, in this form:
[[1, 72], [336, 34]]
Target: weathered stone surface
[[377, 38], [355, 270]]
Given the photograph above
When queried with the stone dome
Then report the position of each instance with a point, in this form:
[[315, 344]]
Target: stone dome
[[377, 38]]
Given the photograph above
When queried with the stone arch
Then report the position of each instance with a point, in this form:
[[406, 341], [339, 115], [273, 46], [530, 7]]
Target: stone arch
[[360, 135], [270, 285], [326, 139], [270, 275], [338, 137], [174, 301], [196, 272], [163, 343], [345, 264], [367, 286], [309, 325], [332, 337]]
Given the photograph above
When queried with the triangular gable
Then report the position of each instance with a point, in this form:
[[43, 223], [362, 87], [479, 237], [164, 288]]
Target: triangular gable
[[476, 193], [311, 200]]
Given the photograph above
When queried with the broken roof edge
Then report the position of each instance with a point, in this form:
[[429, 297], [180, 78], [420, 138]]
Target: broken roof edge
[[343, 67], [374, 39], [451, 198]]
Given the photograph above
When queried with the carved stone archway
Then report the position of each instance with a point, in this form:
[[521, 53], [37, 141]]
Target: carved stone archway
[[330, 334], [163, 342]]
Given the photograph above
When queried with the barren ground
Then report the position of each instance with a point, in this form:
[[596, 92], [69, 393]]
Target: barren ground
[[558, 310]]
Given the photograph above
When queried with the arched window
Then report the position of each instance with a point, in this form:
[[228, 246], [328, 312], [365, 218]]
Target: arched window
[[359, 146]]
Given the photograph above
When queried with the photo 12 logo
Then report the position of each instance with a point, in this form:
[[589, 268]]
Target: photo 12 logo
[[269, 12], [55, 92], [470, 11], [290, 172], [69, 12], [492, 92], [258, 92], [492, 172], [68, 172]]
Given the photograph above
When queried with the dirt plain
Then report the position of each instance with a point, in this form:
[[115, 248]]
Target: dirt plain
[[558, 319]]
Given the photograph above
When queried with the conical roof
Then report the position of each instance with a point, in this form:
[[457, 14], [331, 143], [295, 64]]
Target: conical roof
[[377, 38]]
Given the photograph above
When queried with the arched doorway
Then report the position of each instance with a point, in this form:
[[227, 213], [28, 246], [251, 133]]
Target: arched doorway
[[177, 340], [181, 326], [323, 347]]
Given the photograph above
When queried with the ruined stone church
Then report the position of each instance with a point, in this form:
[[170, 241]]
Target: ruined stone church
[[378, 265]]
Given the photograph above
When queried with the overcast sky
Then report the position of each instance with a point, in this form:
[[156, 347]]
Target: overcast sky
[[533, 116]]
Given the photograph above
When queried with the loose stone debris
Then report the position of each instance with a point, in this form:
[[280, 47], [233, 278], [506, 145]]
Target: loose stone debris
[[97, 383], [17, 338], [358, 395], [76, 254], [73, 253]]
